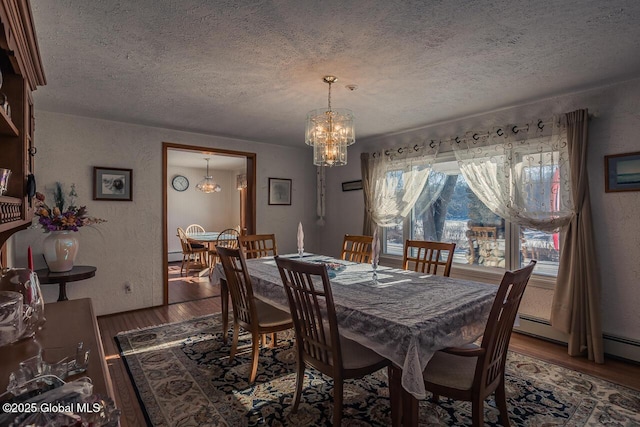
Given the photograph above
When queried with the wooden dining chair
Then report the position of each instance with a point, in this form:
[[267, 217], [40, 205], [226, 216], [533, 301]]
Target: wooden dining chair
[[318, 341], [258, 245], [227, 238], [356, 248], [194, 255], [252, 314], [194, 229], [426, 257], [472, 373]]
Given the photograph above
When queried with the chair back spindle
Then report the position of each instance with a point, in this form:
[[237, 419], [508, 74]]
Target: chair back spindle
[[428, 257], [357, 248], [258, 245]]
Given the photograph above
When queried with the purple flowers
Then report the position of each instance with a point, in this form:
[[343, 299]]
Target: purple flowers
[[57, 218]]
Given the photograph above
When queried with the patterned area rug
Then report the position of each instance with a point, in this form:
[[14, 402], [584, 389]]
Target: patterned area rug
[[184, 378]]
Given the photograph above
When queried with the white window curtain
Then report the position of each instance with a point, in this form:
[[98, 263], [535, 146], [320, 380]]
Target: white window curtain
[[521, 173], [392, 183]]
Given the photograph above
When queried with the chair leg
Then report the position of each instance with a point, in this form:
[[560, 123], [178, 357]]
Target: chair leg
[[501, 402], [224, 301], [234, 342], [299, 380], [274, 340], [477, 409], [255, 356], [337, 401]]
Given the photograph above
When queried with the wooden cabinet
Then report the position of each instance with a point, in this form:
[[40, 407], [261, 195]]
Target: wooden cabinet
[[22, 73]]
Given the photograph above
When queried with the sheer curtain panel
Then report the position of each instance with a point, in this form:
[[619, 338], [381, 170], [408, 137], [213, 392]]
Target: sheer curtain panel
[[521, 173], [392, 183]]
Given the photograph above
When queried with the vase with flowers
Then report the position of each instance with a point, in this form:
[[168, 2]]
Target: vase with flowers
[[61, 221]]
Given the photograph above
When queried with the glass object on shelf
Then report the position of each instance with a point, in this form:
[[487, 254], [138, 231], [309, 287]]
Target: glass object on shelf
[[25, 282], [87, 408], [4, 180], [10, 317], [22, 380]]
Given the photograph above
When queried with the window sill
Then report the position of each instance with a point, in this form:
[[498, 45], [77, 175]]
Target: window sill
[[486, 275]]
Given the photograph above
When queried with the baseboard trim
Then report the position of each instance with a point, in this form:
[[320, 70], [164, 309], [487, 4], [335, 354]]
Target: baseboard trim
[[615, 346], [174, 256]]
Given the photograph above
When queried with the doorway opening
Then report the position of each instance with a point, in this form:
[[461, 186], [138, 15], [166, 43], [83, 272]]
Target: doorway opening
[[233, 206]]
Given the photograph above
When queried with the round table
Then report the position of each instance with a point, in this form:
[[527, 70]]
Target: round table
[[78, 272]]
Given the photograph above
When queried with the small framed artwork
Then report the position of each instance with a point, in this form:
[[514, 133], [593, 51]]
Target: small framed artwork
[[352, 185], [622, 172], [112, 184], [279, 191]]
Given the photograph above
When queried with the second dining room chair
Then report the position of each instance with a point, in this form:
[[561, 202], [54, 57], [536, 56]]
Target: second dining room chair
[[428, 257], [194, 255], [356, 248], [194, 229], [473, 373], [252, 314], [318, 341], [258, 245]]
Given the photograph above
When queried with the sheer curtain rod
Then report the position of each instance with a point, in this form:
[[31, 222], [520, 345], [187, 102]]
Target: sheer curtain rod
[[540, 124]]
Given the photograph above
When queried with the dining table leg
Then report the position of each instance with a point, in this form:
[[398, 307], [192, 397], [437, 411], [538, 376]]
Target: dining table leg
[[395, 394], [404, 406], [410, 406], [224, 302]]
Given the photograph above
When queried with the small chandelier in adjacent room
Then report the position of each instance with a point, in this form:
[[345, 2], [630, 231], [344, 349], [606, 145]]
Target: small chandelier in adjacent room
[[208, 185], [330, 132]]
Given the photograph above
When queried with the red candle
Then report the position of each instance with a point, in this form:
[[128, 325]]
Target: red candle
[[30, 258]]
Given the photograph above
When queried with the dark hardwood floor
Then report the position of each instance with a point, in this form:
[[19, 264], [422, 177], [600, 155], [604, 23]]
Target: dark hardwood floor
[[614, 370], [189, 287]]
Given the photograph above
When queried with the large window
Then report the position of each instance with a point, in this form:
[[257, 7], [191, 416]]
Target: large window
[[449, 211]]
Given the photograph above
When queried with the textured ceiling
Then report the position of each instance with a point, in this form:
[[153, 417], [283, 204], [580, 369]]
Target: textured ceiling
[[253, 69]]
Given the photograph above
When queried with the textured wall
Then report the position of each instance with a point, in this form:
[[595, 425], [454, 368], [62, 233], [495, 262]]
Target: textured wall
[[617, 229], [129, 246]]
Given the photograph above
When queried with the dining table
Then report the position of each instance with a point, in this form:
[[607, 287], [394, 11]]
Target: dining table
[[403, 315], [205, 238]]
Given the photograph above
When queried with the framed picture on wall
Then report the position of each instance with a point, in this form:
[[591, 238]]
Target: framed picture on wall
[[112, 184], [622, 172], [279, 191]]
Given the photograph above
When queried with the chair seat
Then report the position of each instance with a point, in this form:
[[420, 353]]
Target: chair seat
[[197, 246], [450, 370], [356, 356], [270, 316]]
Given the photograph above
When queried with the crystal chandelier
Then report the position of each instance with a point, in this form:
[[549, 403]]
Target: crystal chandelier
[[208, 185], [329, 132]]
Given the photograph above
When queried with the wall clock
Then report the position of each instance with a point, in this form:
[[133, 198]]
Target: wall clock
[[180, 183]]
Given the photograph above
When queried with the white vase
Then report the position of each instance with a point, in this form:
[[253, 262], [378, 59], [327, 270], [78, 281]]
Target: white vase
[[60, 249]]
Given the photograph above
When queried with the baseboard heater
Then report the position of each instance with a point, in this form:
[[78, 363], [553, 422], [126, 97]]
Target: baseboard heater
[[614, 346]]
